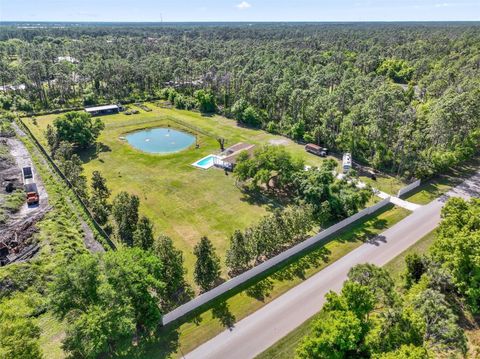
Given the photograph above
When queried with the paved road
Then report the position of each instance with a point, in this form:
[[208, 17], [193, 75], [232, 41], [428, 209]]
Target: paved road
[[260, 330]]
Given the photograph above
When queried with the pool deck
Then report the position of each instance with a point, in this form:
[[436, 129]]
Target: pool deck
[[206, 166]]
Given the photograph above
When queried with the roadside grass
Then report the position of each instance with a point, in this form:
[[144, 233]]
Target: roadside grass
[[396, 266], [439, 185], [184, 202], [196, 328], [469, 323], [285, 347]]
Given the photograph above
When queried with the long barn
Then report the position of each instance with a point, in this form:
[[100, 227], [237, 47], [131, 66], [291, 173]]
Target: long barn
[[102, 110]]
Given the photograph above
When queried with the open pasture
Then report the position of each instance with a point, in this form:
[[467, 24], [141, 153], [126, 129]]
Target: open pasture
[[183, 201]]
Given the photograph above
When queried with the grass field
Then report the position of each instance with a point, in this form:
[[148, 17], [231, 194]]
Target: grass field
[[385, 183], [198, 327], [183, 201]]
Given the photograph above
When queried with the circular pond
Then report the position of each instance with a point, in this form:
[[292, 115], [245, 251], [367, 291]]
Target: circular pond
[[160, 140]]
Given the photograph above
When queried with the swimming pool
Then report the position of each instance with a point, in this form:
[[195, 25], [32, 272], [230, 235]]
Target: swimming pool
[[205, 162], [160, 140]]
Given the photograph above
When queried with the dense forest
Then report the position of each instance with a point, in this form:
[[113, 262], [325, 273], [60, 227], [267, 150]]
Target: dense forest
[[402, 98]]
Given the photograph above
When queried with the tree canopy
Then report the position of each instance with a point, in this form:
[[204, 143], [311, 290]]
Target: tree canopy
[[78, 128], [400, 97]]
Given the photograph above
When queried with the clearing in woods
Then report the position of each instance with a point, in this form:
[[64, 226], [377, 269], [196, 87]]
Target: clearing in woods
[[184, 202]]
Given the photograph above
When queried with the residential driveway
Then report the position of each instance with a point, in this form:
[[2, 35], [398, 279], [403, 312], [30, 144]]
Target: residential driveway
[[260, 330], [399, 202]]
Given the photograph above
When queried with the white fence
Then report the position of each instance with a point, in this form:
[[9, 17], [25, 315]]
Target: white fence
[[255, 271], [408, 188]]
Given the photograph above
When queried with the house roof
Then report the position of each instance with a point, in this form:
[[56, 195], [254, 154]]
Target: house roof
[[101, 108], [234, 151]]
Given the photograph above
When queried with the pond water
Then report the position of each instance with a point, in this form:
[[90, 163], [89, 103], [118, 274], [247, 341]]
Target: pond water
[[160, 140]]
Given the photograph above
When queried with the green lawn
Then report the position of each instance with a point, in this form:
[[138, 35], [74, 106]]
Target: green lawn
[[439, 185], [385, 183], [183, 201], [197, 328], [285, 347]]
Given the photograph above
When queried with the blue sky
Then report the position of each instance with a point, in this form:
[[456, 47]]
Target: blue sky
[[239, 10]]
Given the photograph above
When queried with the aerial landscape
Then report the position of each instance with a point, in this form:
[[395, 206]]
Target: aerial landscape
[[239, 179]]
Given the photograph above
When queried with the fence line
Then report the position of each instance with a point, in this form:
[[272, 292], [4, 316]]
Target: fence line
[[408, 188], [261, 268], [67, 182], [81, 108], [193, 128]]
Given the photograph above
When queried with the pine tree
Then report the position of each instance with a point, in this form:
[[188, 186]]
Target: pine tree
[[207, 267], [240, 254], [143, 236], [177, 289], [98, 200], [125, 214]]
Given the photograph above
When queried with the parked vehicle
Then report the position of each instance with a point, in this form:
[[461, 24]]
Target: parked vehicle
[[316, 150], [27, 174], [32, 193], [347, 162]]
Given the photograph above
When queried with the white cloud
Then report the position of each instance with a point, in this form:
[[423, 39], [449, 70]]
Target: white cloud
[[243, 5]]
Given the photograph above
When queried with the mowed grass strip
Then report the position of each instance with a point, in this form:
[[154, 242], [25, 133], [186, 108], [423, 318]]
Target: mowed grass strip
[[183, 336], [441, 184], [184, 202]]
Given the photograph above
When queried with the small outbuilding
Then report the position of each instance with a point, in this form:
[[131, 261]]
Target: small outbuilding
[[103, 110]]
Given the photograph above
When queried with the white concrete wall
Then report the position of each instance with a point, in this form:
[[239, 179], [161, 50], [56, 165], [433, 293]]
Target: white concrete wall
[[408, 188], [255, 271]]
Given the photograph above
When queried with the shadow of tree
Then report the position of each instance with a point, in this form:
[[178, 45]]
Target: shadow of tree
[[162, 343], [299, 267], [261, 290], [224, 315], [258, 198], [92, 152]]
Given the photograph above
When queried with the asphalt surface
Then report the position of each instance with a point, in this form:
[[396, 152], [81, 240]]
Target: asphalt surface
[[262, 329]]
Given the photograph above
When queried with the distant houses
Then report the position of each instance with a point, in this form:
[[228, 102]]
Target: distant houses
[[7, 88], [70, 59]]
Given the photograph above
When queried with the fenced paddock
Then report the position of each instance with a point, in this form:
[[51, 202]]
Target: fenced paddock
[[263, 267]]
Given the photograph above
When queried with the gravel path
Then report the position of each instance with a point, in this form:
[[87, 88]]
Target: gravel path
[[22, 156]]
